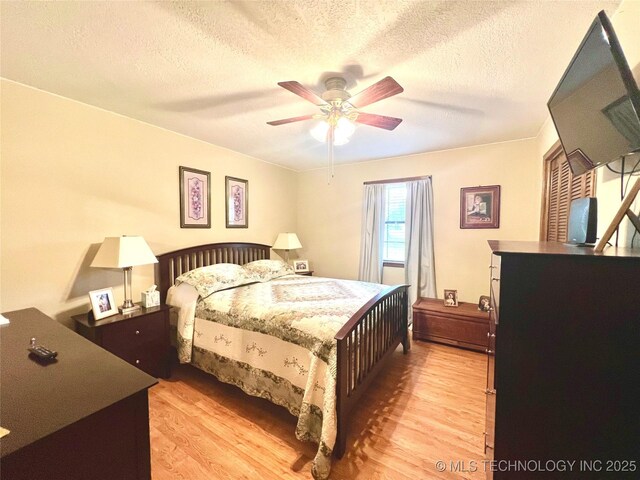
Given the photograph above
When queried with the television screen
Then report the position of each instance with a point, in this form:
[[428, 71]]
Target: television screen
[[596, 105]]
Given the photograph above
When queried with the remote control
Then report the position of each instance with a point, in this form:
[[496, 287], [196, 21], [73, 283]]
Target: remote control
[[41, 352]]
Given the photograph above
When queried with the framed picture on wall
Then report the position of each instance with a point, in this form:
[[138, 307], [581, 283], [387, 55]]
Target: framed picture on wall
[[480, 207], [195, 198], [237, 202]]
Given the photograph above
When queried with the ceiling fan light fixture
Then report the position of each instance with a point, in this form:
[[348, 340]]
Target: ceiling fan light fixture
[[319, 130], [345, 127], [340, 111], [341, 135]]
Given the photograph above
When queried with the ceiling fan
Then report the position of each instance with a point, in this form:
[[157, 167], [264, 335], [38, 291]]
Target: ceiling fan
[[338, 108]]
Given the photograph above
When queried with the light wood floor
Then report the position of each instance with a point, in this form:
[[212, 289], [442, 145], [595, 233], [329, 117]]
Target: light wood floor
[[424, 407]]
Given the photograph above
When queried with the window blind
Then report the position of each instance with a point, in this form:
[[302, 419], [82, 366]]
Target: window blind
[[394, 224]]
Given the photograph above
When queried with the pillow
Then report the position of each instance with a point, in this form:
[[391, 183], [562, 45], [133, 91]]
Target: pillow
[[265, 270], [213, 278]]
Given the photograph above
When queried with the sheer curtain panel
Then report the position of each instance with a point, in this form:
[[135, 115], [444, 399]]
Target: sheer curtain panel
[[372, 234], [419, 268]]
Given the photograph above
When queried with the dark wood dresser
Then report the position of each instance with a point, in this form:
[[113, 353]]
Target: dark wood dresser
[[563, 379], [85, 416], [462, 326]]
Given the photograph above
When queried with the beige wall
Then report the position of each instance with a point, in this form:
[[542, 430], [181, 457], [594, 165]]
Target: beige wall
[[625, 22], [73, 174], [329, 216]]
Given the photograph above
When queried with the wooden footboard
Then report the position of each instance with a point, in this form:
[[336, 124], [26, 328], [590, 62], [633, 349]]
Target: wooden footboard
[[364, 343]]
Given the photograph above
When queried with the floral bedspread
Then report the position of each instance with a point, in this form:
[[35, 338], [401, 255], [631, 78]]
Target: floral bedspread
[[276, 340]]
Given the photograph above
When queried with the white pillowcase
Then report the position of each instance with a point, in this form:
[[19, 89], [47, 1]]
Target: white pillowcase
[[265, 270], [213, 278]]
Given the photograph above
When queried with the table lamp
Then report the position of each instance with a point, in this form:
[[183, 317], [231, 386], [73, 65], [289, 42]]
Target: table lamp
[[124, 252], [286, 242]]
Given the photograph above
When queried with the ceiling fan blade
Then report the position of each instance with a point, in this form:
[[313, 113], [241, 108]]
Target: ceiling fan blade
[[385, 88], [290, 120], [380, 121], [304, 92]]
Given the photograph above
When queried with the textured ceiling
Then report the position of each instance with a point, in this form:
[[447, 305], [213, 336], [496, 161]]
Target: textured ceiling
[[474, 72]]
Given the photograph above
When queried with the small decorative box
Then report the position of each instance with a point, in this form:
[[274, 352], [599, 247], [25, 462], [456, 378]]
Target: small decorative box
[[150, 299]]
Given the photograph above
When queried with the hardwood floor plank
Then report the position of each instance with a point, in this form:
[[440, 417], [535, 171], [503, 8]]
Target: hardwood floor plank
[[425, 407]]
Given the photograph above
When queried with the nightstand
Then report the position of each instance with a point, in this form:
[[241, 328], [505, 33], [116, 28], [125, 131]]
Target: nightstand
[[306, 274], [140, 338]]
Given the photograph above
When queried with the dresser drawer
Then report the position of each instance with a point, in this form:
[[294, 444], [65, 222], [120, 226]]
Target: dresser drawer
[[494, 286]]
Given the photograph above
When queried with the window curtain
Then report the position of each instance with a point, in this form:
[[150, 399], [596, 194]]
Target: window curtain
[[371, 242], [419, 268]]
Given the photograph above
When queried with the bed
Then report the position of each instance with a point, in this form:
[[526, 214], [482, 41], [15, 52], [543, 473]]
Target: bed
[[373, 322]]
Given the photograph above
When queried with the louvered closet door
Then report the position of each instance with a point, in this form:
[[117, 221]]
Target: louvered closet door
[[561, 187]]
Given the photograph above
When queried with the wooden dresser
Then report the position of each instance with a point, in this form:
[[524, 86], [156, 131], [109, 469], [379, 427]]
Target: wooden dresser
[[462, 326], [563, 370], [84, 416]]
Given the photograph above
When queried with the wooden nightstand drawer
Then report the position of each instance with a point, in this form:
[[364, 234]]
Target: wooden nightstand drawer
[[145, 360], [463, 326], [141, 338], [135, 334]]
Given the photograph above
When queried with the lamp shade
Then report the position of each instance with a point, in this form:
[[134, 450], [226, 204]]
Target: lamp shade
[[287, 241], [122, 252]]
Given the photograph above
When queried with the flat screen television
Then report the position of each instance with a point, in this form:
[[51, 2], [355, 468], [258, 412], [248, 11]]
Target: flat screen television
[[596, 106]]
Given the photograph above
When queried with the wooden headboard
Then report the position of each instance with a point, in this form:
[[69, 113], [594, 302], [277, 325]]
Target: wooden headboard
[[173, 264]]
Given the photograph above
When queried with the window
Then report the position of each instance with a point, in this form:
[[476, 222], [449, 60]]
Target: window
[[561, 187], [395, 200]]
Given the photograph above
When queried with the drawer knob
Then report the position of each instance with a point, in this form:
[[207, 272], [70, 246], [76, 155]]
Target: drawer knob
[[489, 351], [137, 362], [494, 279], [137, 332], [490, 391]]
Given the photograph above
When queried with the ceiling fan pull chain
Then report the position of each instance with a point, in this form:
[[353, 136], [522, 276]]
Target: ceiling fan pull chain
[[330, 138]]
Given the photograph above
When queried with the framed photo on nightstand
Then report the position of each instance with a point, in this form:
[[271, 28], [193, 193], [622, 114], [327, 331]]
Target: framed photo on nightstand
[[102, 303], [300, 266]]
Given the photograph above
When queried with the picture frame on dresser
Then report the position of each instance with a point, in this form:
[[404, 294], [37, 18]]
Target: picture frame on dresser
[[484, 303], [450, 298], [103, 303], [195, 198], [236, 202]]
